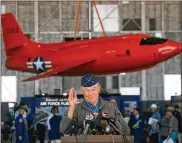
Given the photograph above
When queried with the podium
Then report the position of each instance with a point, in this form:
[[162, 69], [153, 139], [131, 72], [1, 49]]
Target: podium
[[98, 139]]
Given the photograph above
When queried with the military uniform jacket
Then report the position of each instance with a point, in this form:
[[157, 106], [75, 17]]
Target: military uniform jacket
[[20, 129], [82, 110]]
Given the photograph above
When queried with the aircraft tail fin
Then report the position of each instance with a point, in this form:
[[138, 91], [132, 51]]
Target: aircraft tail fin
[[14, 38]]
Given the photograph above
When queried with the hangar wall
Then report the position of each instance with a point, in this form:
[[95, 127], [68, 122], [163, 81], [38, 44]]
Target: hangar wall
[[55, 20]]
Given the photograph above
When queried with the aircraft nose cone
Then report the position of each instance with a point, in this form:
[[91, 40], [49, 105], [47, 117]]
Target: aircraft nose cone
[[178, 46], [171, 47]]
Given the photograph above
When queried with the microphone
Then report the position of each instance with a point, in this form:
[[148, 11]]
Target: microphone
[[79, 129], [107, 129], [111, 122], [88, 123], [98, 120], [70, 128]]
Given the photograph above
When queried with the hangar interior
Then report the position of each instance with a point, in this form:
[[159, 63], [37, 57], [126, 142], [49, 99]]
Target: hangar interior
[[54, 21]]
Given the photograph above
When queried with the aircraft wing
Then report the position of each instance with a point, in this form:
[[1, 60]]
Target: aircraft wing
[[57, 70]]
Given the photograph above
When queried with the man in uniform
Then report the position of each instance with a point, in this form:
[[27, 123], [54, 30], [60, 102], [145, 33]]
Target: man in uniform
[[91, 105], [137, 126], [20, 127]]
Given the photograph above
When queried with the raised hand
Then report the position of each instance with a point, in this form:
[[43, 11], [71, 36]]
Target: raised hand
[[72, 101], [72, 97]]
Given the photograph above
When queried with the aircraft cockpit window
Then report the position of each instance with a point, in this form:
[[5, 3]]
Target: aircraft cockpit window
[[152, 41]]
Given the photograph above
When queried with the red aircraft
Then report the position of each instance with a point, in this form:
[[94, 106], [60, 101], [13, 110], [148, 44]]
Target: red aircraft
[[102, 56]]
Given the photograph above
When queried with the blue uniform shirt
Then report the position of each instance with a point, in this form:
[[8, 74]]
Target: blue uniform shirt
[[54, 124], [20, 128], [138, 133]]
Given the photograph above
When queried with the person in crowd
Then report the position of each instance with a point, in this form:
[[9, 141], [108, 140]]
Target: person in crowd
[[154, 124], [173, 125], [164, 127], [24, 106], [48, 123], [41, 128], [160, 112], [13, 131], [146, 115], [91, 106], [6, 133], [136, 125], [13, 126], [178, 116], [20, 127], [113, 102], [25, 121], [127, 116], [55, 134]]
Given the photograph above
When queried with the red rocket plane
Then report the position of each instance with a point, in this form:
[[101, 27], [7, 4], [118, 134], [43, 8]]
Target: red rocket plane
[[101, 56]]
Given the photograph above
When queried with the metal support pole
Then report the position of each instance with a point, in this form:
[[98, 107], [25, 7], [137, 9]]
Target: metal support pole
[[90, 18], [77, 19], [109, 81], [144, 88], [0, 72], [163, 64], [60, 21], [100, 21], [36, 30], [61, 39], [120, 30], [17, 73]]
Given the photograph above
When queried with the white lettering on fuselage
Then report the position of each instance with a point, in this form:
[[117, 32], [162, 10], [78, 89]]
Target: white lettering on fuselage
[[166, 49]]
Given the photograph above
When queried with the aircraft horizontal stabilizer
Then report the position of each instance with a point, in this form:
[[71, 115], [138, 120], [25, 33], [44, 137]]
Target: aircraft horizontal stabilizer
[[57, 70]]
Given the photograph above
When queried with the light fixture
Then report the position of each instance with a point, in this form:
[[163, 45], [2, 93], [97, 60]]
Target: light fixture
[[125, 1], [11, 105], [123, 73], [44, 94], [65, 94]]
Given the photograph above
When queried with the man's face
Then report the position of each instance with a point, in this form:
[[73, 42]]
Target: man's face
[[169, 113], [21, 111], [153, 109], [91, 94], [135, 112]]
